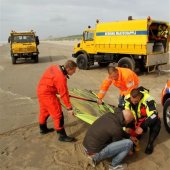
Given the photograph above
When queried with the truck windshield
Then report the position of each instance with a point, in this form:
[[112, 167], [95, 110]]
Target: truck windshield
[[23, 38], [88, 36]]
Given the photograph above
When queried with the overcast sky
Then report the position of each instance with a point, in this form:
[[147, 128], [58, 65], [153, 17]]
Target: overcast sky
[[69, 17]]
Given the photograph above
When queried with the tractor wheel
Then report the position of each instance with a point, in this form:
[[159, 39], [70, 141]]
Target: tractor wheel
[[36, 59], [13, 59], [82, 62], [126, 62], [166, 115]]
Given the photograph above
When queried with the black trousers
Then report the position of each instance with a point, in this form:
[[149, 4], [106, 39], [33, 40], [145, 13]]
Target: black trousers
[[154, 130]]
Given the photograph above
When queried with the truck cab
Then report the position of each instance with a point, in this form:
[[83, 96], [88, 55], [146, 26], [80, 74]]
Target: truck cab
[[23, 45]]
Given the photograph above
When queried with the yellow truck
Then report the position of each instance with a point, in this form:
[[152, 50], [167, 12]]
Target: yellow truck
[[130, 43], [24, 45]]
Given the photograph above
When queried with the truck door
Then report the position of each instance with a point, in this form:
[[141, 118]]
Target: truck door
[[88, 41]]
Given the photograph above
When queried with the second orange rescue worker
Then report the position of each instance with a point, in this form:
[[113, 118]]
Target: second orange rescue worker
[[123, 78]]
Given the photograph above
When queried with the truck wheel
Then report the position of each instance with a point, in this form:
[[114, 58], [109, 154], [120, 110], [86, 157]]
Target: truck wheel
[[13, 60], [126, 62], [36, 59], [102, 64], [166, 115], [82, 62]]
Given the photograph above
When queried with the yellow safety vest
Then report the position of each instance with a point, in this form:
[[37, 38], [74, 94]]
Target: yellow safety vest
[[141, 105]]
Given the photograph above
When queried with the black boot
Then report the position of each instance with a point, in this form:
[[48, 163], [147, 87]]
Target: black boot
[[44, 129], [149, 149], [154, 131], [63, 136]]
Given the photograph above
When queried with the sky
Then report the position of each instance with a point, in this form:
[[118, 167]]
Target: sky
[[59, 18]]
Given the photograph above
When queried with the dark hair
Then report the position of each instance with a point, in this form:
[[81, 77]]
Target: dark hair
[[70, 64], [111, 68], [135, 93]]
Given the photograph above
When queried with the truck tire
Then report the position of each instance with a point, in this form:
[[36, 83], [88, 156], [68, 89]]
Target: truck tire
[[36, 59], [102, 64], [82, 62], [166, 115], [126, 62], [13, 59]]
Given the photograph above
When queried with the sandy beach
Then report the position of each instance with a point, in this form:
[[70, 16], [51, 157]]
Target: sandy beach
[[21, 145]]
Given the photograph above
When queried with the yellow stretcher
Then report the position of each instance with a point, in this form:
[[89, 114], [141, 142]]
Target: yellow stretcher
[[85, 107]]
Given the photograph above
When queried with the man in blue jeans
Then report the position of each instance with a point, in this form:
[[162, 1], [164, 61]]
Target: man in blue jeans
[[106, 139]]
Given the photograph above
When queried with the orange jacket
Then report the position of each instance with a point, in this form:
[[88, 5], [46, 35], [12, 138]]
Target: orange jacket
[[127, 81], [53, 82]]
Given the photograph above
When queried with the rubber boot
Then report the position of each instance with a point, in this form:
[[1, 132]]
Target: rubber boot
[[149, 149], [63, 136], [152, 136], [44, 129]]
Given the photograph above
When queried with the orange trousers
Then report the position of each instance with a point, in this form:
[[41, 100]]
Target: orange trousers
[[51, 106]]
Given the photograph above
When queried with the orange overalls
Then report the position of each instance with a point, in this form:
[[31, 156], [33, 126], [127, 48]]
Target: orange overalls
[[53, 81], [127, 81]]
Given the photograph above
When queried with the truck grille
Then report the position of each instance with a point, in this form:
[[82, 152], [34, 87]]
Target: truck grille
[[26, 50]]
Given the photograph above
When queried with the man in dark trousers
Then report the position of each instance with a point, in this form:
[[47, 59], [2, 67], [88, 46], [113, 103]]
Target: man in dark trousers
[[105, 139], [143, 107], [53, 82]]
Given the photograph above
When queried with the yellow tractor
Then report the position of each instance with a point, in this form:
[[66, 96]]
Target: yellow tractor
[[132, 43], [24, 45]]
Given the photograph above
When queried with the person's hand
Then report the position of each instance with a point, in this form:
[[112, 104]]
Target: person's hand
[[99, 101], [134, 140], [71, 112], [128, 130], [138, 130]]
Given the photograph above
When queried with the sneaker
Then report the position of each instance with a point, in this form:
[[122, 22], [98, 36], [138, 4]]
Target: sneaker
[[91, 161], [118, 167]]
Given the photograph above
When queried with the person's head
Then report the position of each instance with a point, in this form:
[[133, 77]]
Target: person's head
[[113, 72], [135, 96], [164, 27], [70, 67], [128, 116]]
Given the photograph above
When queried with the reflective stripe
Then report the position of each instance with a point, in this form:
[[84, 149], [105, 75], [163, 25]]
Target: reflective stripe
[[108, 79], [130, 84], [102, 91], [153, 116], [149, 99]]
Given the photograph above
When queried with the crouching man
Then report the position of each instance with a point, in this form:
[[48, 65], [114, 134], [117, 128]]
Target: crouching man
[[105, 139], [143, 107]]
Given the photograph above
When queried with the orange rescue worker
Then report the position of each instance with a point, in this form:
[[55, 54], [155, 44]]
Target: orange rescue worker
[[54, 81], [123, 78]]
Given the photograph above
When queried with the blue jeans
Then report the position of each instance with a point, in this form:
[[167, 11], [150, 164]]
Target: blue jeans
[[117, 150]]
